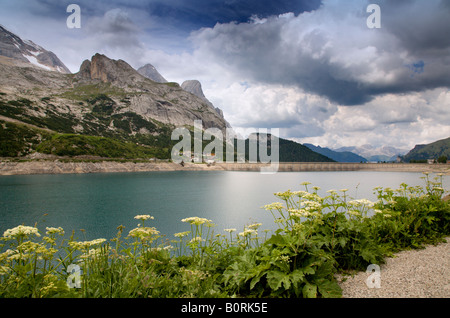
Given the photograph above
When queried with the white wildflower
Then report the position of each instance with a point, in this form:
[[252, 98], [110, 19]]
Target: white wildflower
[[273, 206], [196, 220], [196, 239], [143, 232], [144, 217], [248, 232], [182, 234], [54, 230], [21, 230]]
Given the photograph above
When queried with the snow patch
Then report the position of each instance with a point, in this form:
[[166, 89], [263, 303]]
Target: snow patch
[[32, 59]]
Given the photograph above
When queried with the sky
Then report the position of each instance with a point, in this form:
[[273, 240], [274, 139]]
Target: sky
[[313, 69]]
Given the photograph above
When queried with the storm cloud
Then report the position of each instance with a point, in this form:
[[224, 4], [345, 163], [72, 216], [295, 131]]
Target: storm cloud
[[331, 51]]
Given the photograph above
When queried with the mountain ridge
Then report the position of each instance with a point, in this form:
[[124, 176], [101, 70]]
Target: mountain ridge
[[374, 154], [28, 52], [344, 156], [434, 150]]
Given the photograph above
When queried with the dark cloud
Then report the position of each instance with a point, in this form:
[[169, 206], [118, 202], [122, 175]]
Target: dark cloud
[[421, 26], [196, 14], [331, 52]]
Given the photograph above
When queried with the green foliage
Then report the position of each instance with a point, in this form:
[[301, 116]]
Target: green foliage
[[289, 151], [76, 145], [18, 140], [102, 105], [316, 237]]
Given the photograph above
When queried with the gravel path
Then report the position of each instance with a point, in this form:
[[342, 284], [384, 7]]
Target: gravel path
[[421, 273]]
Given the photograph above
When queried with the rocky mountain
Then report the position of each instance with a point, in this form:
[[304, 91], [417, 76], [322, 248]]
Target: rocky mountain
[[195, 87], [152, 73], [344, 156], [104, 107], [434, 150], [27, 52]]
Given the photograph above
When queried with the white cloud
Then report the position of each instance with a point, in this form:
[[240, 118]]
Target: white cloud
[[396, 120]]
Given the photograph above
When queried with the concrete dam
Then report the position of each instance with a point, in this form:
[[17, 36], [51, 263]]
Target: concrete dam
[[335, 166]]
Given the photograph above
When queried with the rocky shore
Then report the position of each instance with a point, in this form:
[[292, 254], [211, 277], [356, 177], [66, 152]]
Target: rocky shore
[[60, 166]]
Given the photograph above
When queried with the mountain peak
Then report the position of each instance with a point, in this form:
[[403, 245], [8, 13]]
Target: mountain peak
[[26, 52], [104, 69], [152, 73], [194, 87]]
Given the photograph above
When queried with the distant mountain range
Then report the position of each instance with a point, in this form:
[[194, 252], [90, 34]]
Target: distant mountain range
[[344, 156], [375, 154]]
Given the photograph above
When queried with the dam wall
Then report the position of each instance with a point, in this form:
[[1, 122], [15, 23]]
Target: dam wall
[[8, 167], [337, 166]]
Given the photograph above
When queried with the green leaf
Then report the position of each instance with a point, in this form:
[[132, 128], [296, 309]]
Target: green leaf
[[329, 288], [308, 270], [257, 273], [309, 291], [277, 239], [276, 278], [342, 241], [297, 276]]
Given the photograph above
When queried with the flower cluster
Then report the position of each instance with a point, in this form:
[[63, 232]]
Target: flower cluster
[[54, 230], [248, 232], [196, 220], [362, 203], [273, 206], [182, 234], [144, 217], [143, 232], [86, 244], [21, 230]]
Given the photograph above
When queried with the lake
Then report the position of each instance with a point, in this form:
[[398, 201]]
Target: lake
[[98, 203]]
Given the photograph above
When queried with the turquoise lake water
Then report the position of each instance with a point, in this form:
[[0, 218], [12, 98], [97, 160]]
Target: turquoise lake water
[[98, 203]]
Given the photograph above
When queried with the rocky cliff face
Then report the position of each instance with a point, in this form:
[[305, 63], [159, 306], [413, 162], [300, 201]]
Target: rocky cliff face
[[25, 51], [165, 102], [103, 69], [195, 87], [106, 97]]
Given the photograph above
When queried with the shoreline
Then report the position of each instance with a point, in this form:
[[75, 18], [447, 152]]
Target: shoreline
[[64, 166]]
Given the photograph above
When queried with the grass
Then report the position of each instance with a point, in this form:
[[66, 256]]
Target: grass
[[317, 236]]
